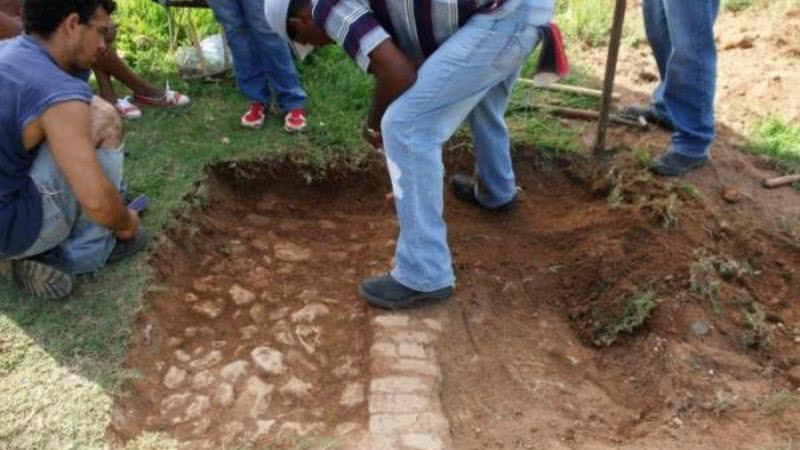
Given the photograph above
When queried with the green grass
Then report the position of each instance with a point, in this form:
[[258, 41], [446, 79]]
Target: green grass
[[637, 309], [587, 21], [779, 140], [736, 5]]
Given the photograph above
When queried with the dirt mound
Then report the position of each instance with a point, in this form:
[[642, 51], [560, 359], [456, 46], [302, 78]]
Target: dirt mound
[[609, 309]]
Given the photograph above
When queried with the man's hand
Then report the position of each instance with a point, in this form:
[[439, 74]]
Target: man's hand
[[373, 137], [129, 232]]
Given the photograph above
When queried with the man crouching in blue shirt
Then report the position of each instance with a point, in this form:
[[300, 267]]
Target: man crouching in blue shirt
[[61, 208]]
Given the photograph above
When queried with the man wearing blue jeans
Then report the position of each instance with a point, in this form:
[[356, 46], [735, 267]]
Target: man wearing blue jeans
[[262, 63], [436, 64], [681, 34], [61, 207]]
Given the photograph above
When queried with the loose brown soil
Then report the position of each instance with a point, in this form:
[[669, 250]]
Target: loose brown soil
[[542, 348]]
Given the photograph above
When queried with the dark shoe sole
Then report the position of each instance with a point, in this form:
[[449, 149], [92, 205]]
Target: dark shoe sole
[[423, 298], [41, 280]]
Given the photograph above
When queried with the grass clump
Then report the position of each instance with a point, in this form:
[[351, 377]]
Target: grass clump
[[779, 140], [736, 5], [703, 279], [779, 401], [638, 308], [588, 21]]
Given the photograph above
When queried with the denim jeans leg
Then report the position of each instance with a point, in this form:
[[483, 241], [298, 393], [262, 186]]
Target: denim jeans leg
[[493, 167], [692, 75], [247, 65], [89, 245], [275, 58], [657, 31], [485, 52], [59, 206]]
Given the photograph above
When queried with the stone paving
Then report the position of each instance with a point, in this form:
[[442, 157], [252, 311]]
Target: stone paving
[[405, 412], [248, 358]]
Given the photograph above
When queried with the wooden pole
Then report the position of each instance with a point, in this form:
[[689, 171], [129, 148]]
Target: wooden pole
[[611, 70]]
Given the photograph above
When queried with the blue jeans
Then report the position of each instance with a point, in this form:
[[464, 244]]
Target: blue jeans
[[83, 245], [681, 34], [262, 60], [470, 78]]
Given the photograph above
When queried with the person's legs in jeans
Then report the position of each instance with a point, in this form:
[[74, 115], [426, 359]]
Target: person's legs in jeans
[[452, 82], [655, 21], [691, 75], [496, 185], [274, 56], [69, 243], [247, 65]]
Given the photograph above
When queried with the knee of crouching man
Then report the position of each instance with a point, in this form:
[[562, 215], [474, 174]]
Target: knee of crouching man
[[106, 124]]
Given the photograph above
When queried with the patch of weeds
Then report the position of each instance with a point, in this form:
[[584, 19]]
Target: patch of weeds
[[779, 401], [724, 402], [638, 308], [152, 441], [666, 210], [736, 5], [642, 156], [790, 226], [617, 194], [778, 139], [755, 316], [690, 190], [730, 269], [703, 279]]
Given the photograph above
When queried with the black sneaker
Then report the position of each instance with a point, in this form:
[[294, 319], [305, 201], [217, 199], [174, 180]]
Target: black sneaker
[[41, 279], [634, 112], [464, 189], [384, 292], [126, 249]]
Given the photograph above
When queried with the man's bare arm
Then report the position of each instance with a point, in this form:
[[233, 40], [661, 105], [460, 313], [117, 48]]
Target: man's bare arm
[[394, 74], [67, 127], [9, 26]]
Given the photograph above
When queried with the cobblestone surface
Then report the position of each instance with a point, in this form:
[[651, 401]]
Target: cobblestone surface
[[405, 412]]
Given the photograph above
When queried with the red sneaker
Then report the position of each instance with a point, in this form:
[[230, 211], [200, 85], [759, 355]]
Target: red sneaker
[[170, 99], [254, 117], [295, 120]]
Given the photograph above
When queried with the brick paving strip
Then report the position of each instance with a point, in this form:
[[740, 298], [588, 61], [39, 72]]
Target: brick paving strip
[[405, 412]]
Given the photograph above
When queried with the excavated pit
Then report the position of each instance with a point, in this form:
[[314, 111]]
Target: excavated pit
[[253, 334]]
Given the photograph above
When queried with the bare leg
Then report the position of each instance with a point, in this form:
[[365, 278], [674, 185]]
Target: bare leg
[[113, 65], [106, 88], [106, 125]]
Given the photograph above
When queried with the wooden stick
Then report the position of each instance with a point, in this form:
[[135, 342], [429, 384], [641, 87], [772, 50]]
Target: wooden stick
[[611, 71], [586, 114], [772, 183], [579, 90]]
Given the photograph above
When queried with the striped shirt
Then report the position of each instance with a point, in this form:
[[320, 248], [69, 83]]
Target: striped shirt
[[418, 27]]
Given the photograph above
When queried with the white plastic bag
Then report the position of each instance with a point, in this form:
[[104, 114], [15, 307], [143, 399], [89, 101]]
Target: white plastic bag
[[210, 57]]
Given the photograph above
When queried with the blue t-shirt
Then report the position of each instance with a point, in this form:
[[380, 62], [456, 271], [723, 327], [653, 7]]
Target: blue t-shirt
[[30, 83]]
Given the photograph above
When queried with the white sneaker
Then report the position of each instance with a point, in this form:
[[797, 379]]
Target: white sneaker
[[126, 109]]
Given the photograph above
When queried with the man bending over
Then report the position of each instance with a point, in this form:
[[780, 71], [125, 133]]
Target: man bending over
[[61, 208], [437, 63]]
